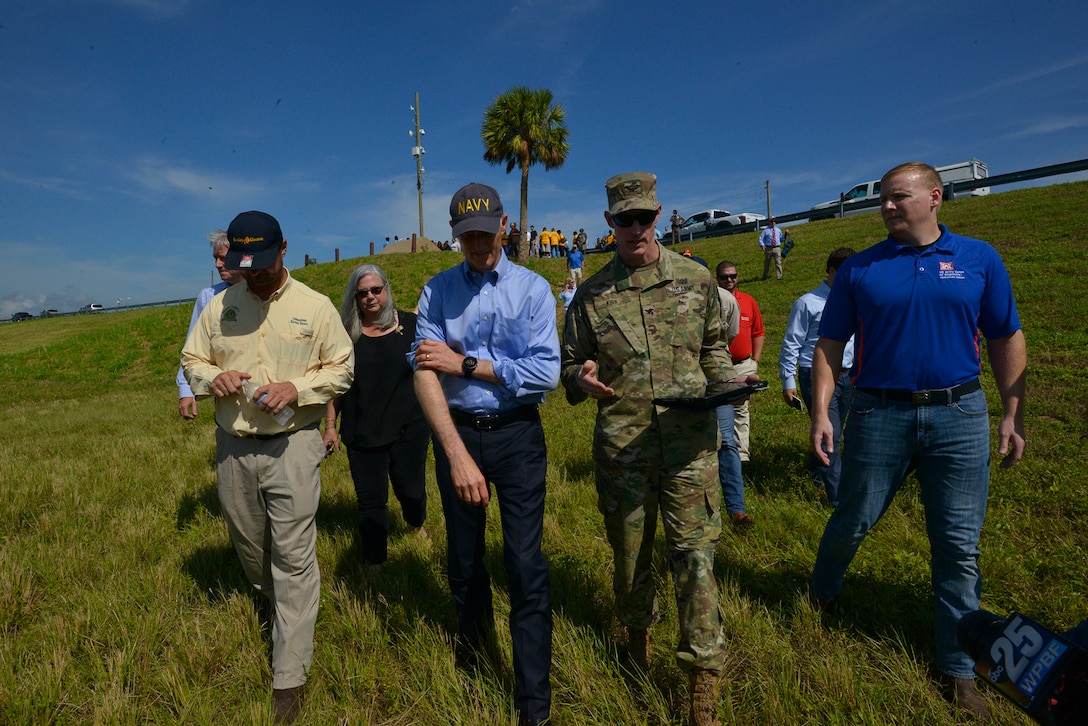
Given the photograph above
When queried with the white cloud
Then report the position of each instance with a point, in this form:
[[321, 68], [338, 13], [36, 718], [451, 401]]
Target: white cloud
[[39, 274], [1032, 75], [159, 176], [1049, 126], [56, 184]]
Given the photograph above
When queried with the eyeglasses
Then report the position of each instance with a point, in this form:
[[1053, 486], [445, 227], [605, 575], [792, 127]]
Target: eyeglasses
[[375, 291], [626, 219], [728, 277]]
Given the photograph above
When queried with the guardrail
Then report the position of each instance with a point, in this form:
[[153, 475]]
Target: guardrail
[[115, 309], [950, 190]]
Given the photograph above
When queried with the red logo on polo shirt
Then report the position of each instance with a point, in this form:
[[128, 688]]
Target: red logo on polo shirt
[[947, 266]]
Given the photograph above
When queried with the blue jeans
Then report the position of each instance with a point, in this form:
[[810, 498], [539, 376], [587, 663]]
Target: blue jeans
[[729, 472], [837, 409], [948, 446]]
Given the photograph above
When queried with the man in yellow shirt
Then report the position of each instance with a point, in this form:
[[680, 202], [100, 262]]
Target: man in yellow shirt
[[284, 343]]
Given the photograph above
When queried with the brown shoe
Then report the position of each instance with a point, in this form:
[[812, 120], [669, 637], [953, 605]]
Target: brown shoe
[[741, 520], [965, 697], [704, 698], [286, 704], [638, 650]]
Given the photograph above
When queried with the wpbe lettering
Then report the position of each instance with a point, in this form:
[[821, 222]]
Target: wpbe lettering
[[1014, 651]]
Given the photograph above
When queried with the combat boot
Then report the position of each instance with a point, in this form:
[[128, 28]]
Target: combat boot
[[638, 649], [704, 698]]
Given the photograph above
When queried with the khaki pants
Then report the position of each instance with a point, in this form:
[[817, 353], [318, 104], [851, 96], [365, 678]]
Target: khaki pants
[[269, 491], [772, 253], [742, 421]]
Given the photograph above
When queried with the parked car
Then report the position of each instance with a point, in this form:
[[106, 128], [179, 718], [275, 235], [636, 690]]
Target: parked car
[[92, 308], [49, 312], [716, 219], [21, 316]]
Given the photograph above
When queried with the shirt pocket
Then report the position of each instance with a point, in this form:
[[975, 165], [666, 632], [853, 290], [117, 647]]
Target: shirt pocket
[[293, 356], [621, 348], [511, 338], [687, 324]]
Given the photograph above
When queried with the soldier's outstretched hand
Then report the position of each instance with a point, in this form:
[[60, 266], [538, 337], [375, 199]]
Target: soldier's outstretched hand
[[587, 381]]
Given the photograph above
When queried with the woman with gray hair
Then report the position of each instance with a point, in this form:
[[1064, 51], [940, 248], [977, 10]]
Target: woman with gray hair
[[382, 424]]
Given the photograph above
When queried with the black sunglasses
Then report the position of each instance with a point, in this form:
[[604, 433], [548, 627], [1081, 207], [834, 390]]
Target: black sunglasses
[[626, 219], [728, 277], [375, 291]]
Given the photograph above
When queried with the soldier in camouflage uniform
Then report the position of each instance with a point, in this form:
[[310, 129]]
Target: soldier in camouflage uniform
[[649, 325]]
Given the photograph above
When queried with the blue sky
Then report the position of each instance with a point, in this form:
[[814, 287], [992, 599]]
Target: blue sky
[[131, 128]]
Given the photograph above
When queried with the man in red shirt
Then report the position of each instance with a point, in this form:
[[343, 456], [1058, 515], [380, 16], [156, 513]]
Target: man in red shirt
[[746, 349]]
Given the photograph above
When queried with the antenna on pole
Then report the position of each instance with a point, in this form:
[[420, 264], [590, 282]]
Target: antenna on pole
[[418, 152]]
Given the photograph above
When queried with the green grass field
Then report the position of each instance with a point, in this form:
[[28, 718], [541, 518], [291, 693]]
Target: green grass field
[[122, 602]]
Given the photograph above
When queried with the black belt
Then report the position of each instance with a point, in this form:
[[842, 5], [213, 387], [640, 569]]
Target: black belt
[[492, 421], [943, 396]]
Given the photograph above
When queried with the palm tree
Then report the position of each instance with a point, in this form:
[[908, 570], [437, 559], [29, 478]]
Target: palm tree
[[523, 127]]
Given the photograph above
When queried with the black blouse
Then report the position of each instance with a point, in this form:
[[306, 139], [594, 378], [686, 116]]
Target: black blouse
[[381, 405]]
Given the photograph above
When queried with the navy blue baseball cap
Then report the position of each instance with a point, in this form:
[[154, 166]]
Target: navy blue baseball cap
[[475, 208], [255, 242]]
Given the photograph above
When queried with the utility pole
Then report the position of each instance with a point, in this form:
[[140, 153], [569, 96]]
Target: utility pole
[[767, 186], [418, 152]]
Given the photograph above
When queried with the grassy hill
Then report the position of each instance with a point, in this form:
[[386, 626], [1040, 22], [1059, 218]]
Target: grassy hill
[[121, 600]]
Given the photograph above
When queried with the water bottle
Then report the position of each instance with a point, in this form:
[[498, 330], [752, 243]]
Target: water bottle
[[250, 389]]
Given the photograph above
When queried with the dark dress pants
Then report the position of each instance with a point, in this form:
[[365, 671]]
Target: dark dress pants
[[405, 463], [513, 459]]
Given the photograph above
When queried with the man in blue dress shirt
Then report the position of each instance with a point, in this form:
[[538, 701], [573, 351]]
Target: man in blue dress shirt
[[917, 303], [220, 244], [486, 352], [795, 371]]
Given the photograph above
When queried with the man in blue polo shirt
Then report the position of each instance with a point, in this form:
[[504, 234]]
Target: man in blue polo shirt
[[916, 303]]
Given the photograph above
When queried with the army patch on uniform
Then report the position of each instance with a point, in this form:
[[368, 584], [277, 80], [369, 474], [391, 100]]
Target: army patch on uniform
[[230, 315]]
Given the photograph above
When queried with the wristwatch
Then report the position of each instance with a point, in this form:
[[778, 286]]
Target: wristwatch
[[468, 366]]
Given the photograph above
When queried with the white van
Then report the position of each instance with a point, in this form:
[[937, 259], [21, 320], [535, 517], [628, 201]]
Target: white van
[[870, 191], [969, 170]]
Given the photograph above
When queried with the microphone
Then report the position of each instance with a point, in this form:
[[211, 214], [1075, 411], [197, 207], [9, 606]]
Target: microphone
[[1043, 673]]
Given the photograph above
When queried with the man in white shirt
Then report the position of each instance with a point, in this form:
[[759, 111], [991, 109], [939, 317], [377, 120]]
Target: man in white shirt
[[770, 241]]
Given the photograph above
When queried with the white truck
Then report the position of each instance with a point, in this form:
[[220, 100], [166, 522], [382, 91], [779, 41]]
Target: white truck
[[853, 200]]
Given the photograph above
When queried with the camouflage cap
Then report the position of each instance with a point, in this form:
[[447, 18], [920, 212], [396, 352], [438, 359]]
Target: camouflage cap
[[634, 190]]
